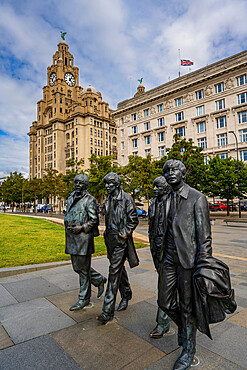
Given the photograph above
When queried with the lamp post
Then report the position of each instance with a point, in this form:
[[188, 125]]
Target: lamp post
[[239, 205]]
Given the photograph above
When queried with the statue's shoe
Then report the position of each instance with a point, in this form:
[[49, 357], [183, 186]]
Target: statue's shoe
[[184, 361], [123, 305], [80, 304], [101, 287], [158, 332], [104, 318]]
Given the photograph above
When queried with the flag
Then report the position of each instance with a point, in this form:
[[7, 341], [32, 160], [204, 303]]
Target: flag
[[186, 62]]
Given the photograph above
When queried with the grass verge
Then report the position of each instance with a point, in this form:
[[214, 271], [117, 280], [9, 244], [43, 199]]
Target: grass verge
[[30, 240]]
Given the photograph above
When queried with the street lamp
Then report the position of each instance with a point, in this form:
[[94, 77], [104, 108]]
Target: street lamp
[[239, 205]]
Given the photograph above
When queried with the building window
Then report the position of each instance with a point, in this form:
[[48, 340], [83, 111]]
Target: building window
[[91, 131], [220, 104], [147, 140], [134, 130], [243, 135], [135, 143], [161, 136], [161, 122], [147, 126], [223, 155], [95, 132], [162, 151], [76, 141], [106, 144], [241, 80], [91, 121], [242, 98], [178, 102], [179, 116], [122, 121], [106, 152], [134, 117], [200, 110], [146, 112], [135, 153], [222, 139], [122, 133], [201, 127], [106, 135], [91, 141], [147, 152], [243, 155], [202, 142], [242, 117], [95, 141], [180, 131], [219, 88], [76, 131], [221, 122], [160, 108], [199, 94], [122, 145], [106, 125], [91, 150], [76, 121]]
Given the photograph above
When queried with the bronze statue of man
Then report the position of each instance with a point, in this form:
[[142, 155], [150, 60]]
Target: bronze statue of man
[[120, 221], [81, 225], [187, 234], [194, 287], [155, 233]]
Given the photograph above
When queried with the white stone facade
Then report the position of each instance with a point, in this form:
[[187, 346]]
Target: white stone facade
[[204, 105]]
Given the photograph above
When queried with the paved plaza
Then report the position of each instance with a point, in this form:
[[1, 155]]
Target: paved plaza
[[37, 330]]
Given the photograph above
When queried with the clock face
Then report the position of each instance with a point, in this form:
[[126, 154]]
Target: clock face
[[69, 79], [52, 78]]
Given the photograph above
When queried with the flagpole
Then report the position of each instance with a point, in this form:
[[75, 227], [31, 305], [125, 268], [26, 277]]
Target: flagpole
[[179, 64], [130, 87]]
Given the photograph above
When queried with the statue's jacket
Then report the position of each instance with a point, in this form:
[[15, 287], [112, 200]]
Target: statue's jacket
[[81, 212], [127, 221]]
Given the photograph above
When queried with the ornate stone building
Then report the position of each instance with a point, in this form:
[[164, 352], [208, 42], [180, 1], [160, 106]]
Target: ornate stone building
[[205, 105], [71, 122]]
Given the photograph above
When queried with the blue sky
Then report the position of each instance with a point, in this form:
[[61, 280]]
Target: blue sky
[[111, 40]]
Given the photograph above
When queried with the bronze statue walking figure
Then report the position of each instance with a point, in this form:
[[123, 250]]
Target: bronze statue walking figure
[[120, 220], [194, 287], [81, 225], [155, 233]]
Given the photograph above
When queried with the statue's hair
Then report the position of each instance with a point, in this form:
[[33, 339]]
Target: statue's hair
[[82, 177], [114, 178], [177, 164], [161, 180]]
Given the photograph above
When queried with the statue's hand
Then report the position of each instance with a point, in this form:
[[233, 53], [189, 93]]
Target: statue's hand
[[76, 229]]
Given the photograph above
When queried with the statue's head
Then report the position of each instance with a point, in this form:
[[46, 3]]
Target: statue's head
[[160, 186], [174, 171], [112, 182], [81, 183]]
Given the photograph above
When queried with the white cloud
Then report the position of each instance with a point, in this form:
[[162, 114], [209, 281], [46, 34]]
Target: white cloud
[[111, 41]]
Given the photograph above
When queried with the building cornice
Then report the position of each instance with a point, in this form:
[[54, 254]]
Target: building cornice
[[191, 79]]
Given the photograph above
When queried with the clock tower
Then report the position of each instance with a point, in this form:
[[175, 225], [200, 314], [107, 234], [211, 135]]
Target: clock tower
[[71, 122]]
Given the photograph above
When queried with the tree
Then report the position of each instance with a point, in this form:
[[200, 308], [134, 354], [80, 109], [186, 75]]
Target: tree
[[138, 176], [51, 184], [99, 167], [192, 158], [222, 179], [33, 190], [67, 181], [12, 189]]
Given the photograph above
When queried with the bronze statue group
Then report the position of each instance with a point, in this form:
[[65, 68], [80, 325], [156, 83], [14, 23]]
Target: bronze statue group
[[194, 288]]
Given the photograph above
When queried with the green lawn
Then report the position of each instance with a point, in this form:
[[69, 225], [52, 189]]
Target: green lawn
[[29, 240]]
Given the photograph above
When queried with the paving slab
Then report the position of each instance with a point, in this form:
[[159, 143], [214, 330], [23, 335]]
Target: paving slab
[[5, 340], [147, 280], [110, 346], [39, 354], [28, 320], [208, 361], [229, 340], [5, 297], [32, 288], [66, 281], [240, 318], [141, 319]]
